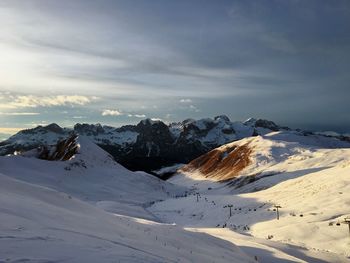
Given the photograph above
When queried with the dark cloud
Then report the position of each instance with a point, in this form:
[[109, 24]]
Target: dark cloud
[[283, 60]]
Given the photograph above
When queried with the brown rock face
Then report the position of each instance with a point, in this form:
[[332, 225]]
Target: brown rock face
[[221, 165], [62, 151]]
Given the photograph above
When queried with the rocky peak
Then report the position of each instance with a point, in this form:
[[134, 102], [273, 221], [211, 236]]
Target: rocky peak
[[53, 127], [267, 125], [262, 123], [150, 122], [250, 122], [125, 128], [222, 118], [198, 126], [156, 132], [88, 129]]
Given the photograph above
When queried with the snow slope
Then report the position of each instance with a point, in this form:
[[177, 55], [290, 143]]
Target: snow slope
[[256, 157], [88, 209], [94, 176], [42, 225], [307, 176]]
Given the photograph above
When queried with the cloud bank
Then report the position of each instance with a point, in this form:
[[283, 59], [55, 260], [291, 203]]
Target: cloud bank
[[32, 101]]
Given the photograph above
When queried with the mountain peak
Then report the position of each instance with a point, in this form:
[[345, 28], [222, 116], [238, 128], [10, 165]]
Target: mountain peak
[[149, 121], [262, 123], [222, 117], [250, 121], [54, 127], [87, 129]]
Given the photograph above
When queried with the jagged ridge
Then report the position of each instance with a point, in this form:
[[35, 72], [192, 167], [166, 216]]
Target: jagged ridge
[[149, 145]]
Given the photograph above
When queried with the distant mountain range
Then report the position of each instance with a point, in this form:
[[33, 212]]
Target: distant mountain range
[[150, 145]]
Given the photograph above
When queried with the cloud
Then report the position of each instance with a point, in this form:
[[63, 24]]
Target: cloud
[[186, 101], [194, 108], [140, 115], [120, 113], [33, 101], [222, 55], [156, 119], [19, 113], [137, 115], [112, 113]]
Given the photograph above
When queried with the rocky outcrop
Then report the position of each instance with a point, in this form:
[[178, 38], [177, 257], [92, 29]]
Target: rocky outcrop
[[221, 164], [88, 129], [261, 123], [64, 150]]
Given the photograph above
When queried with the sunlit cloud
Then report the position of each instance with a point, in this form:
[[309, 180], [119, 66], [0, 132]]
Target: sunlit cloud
[[156, 119], [19, 113], [112, 113], [79, 117], [32, 101], [137, 115], [120, 113]]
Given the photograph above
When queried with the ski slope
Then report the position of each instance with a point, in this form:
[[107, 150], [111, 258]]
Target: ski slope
[[309, 179], [93, 212], [39, 224]]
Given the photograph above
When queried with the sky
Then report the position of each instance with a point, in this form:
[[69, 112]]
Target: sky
[[117, 62]]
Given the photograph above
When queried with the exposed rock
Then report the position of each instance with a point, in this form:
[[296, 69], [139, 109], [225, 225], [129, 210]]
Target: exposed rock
[[53, 127], [221, 164], [88, 129], [267, 125], [261, 123], [64, 150]]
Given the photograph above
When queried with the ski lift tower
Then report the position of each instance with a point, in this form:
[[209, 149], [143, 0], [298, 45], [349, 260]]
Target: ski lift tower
[[347, 221], [197, 194], [229, 206], [277, 211]]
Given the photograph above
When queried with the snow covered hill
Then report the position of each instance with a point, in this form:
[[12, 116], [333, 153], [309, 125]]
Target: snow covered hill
[[91, 175], [307, 176], [254, 158], [89, 209]]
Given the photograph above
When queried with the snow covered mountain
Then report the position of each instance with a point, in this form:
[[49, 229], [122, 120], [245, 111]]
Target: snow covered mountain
[[149, 145], [306, 176], [252, 158]]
